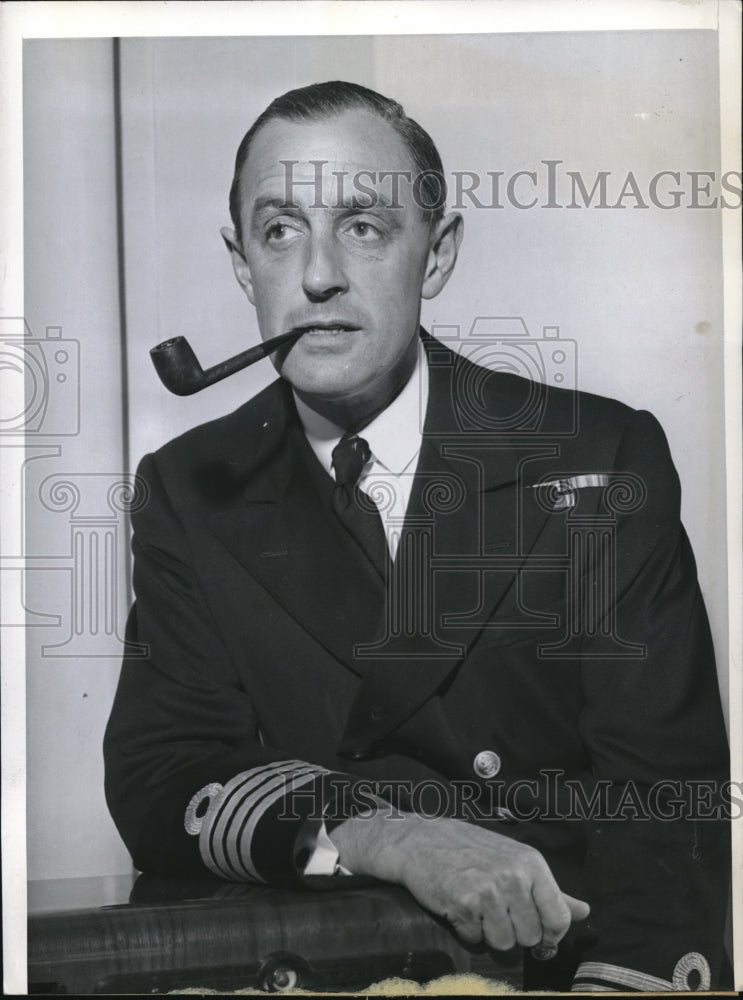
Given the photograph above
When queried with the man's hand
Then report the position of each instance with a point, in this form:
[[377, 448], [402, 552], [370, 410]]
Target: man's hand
[[488, 886]]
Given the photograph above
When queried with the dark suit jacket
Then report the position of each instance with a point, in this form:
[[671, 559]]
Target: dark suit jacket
[[568, 637]]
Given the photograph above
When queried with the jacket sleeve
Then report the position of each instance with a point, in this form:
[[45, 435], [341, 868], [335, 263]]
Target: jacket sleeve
[[189, 779], [658, 860]]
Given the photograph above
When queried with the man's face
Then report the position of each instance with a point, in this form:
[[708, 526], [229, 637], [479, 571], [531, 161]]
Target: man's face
[[351, 276]]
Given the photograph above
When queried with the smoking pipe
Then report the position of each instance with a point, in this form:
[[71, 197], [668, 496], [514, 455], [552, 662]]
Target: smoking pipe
[[181, 373]]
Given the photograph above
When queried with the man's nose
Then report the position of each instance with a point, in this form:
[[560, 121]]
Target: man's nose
[[324, 274]]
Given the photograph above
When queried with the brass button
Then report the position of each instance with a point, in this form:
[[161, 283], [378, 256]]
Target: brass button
[[486, 764]]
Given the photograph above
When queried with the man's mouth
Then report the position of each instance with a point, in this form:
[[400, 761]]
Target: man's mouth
[[328, 328]]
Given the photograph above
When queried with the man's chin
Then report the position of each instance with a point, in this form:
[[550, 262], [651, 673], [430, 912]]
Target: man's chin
[[323, 367], [321, 388], [326, 372]]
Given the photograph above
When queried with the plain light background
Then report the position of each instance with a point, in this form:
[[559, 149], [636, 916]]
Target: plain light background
[[640, 291]]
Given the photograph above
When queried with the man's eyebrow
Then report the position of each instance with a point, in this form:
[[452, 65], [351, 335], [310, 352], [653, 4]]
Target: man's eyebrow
[[359, 202], [266, 201]]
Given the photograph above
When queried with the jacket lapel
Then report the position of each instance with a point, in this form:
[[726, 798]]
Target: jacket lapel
[[283, 533], [469, 529], [467, 512]]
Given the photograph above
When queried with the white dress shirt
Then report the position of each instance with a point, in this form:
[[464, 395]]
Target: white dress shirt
[[394, 437]]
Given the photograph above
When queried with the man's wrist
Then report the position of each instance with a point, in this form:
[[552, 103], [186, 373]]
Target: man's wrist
[[315, 853], [373, 843]]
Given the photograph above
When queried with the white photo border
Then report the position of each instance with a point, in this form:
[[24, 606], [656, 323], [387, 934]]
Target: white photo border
[[19, 21]]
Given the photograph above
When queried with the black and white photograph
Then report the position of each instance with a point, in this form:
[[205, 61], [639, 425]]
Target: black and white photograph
[[370, 442]]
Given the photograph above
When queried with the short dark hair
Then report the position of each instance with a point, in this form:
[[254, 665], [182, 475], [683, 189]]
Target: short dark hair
[[323, 100]]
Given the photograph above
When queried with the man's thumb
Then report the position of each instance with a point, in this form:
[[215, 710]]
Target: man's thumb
[[578, 909]]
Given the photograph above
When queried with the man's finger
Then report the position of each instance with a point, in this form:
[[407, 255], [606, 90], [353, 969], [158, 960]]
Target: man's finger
[[470, 931], [579, 910], [576, 910], [554, 912], [466, 920], [524, 915], [526, 922], [497, 928], [547, 947]]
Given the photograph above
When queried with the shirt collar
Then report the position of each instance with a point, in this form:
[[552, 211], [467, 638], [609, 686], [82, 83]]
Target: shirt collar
[[395, 434]]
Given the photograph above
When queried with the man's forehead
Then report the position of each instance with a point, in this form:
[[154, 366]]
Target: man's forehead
[[353, 142]]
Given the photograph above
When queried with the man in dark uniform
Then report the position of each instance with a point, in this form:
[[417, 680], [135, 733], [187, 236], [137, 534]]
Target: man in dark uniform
[[410, 619]]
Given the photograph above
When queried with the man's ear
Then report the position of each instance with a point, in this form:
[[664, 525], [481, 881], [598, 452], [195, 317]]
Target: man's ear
[[239, 263], [442, 255]]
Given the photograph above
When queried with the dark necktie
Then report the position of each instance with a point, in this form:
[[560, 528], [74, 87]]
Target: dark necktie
[[354, 509]]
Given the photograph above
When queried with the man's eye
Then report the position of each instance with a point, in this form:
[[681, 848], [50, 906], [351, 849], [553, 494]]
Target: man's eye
[[280, 232], [364, 230]]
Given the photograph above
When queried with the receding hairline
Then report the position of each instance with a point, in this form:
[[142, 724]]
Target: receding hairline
[[320, 115], [324, 116]]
